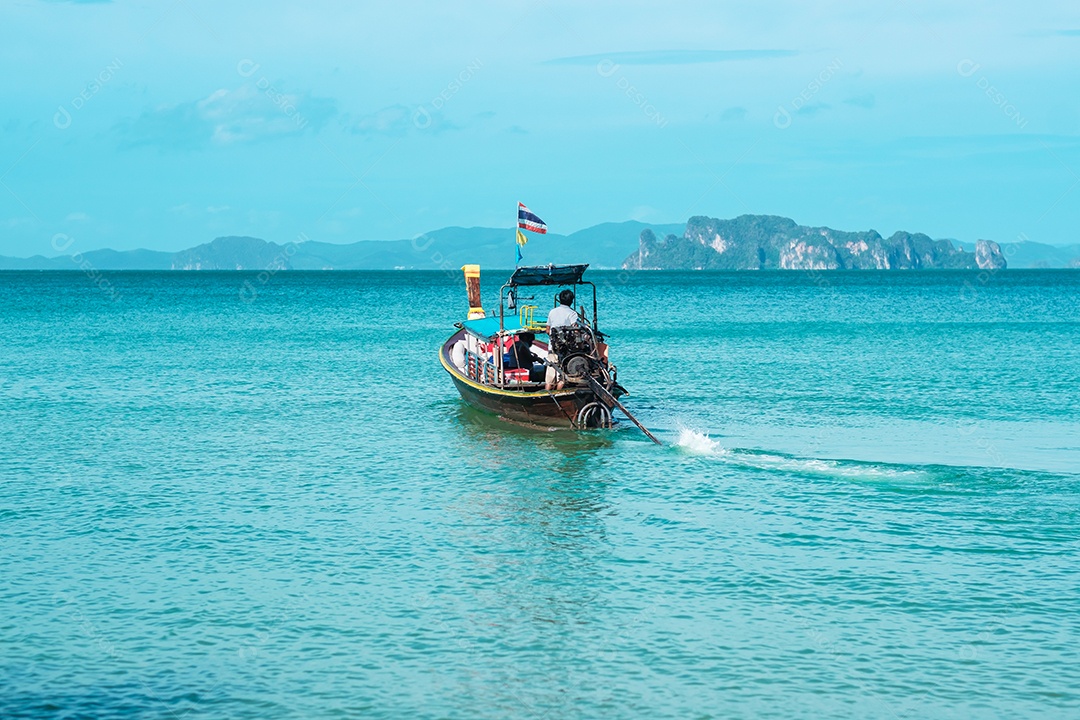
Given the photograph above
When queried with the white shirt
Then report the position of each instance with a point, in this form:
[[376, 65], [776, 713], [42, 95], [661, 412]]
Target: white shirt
[[561, 316]]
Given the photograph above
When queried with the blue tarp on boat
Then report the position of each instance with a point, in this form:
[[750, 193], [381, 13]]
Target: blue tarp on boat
[[488, 327], [547, 275]]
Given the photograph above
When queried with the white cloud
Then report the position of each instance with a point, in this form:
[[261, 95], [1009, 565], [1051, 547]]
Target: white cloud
[[397, 120], [251, 112]]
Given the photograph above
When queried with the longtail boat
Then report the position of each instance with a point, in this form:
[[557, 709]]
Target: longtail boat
[[572, 383]]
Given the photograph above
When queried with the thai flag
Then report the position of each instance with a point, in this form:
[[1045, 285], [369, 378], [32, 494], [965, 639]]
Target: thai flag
[[528, 221]]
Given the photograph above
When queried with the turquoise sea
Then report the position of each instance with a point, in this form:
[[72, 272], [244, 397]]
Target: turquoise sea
[[225, 495]]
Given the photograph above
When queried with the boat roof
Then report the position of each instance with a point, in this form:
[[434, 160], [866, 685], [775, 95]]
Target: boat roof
[[489, 327], [547, 275]]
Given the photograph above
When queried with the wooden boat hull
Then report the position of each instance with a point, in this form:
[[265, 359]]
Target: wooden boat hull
[[557, 408]]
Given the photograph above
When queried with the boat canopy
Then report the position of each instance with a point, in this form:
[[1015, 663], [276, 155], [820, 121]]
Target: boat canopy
[[486, 328], [547, 275]]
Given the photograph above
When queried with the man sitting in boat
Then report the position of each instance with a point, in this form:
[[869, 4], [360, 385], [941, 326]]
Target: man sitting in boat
[[564, 314], [561, 316], [521, 356]]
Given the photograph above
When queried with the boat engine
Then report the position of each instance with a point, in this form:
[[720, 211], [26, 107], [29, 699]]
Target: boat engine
[[576, 349], [571, 340]]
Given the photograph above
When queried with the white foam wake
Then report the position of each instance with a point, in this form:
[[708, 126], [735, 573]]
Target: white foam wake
[[698, 443], [694, 442]]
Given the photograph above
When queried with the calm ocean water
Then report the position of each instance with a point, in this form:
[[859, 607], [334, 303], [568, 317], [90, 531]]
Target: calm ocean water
[[220, 503]]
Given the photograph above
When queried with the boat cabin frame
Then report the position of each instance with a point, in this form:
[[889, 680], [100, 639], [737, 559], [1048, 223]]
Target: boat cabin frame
[[496, 331], [546, 276]]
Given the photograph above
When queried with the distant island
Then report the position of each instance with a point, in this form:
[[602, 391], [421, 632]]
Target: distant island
[[767, 242], [748, 242]]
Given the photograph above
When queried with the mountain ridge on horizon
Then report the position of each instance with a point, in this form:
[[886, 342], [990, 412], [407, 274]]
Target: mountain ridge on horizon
[[605, 246]]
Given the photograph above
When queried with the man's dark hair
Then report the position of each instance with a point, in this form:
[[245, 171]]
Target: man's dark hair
[[566, 297], [527, 337]]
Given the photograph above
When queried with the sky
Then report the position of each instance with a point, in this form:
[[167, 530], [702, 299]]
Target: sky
[[162, 125]]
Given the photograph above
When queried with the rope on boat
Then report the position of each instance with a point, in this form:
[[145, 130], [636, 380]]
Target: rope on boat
[[572, 423]]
